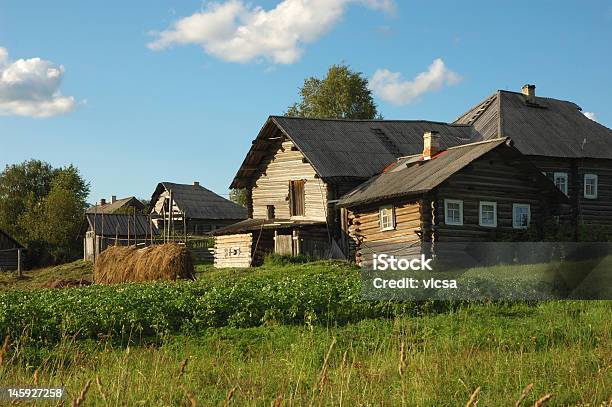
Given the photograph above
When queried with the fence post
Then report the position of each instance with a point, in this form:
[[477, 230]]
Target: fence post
[[19, 268]]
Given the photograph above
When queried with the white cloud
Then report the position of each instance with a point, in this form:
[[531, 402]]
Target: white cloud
[[234, 31], [590, 115], [392, 88], [30, 87]]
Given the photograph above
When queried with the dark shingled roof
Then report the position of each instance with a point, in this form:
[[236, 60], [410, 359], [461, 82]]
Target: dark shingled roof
[[117, 225], [341, 149], [198, 202], [412, 176], [550, 127], [111, 207], [11, 239]]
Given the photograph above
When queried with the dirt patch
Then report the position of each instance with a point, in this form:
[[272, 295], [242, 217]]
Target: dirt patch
[[66, 283]]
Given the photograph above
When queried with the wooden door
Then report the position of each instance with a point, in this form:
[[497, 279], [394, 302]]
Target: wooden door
[[283, 245], [297, 198]]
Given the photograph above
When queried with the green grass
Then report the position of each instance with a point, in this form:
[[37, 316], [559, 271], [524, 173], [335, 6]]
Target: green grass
[[562, 348], [37, 278]]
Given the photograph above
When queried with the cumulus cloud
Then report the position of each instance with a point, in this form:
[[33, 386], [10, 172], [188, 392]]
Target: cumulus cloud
[[591, 116], [392, 88], [234, 31], [30, 87]]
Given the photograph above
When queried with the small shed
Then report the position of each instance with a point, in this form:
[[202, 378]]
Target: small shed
[[10, 252], [104, 230]]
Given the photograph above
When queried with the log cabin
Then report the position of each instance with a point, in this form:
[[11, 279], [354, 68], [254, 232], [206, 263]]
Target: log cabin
[[297, 170], [11, 252], [192, 209], [468, 193]]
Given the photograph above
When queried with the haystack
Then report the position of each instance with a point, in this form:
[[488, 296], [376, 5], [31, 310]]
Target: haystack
[[120, 264]]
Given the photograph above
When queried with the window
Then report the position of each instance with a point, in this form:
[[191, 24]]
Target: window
[[590, 186], [270, 211], [487, 214], [297, 198], [453, 212], [521, 216], [561, 181], [386, 217]]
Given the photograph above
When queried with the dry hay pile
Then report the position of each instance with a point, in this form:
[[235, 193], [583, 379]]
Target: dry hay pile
[[121, 264]]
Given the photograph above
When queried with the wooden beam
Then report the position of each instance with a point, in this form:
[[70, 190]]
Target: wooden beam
[[19, 268]]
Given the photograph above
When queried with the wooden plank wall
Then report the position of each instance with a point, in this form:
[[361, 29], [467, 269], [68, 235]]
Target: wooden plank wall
[[364, 228], [8, 259], [272, 185], [595, 211], [233, 250], [584, 211], [314, 242], [490, 178]]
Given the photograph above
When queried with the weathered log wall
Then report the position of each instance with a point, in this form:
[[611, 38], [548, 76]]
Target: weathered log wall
[[233, 250], [271, 187]]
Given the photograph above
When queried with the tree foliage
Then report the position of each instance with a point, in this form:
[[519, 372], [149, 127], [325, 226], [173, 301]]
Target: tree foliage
[[43, 207], [342, 94], [238, 195]]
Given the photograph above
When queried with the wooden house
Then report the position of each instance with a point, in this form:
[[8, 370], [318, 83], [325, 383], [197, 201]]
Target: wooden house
[[123, 205], [296, 171], [192, 209], [573, 150], [472, 192], [11, 252], [103, 230]]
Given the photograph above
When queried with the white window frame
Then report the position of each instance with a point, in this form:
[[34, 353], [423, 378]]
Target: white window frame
[[594, 178], [446, 218], [480, 217], [381, 216], [514, 218], [564, 177]]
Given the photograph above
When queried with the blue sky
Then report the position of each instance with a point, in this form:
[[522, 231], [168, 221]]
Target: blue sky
[[131, 107]]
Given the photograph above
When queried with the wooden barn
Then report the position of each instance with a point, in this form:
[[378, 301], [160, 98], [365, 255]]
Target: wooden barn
[[104, 230], [467, 193], [11, 252], [123, 205], [192, 209]]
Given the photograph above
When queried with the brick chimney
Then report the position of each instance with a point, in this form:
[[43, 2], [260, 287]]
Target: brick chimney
[[113, 198], [431, 144], [529, 91], [196, 183], [102, 202]]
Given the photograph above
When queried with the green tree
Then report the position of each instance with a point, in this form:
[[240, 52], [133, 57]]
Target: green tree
[[342, 94], [43, 207], [238, 195], [21, 186]]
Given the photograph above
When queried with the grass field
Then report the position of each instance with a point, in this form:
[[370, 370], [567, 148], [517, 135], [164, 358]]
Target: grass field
[[37, 278], [434, 359]]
